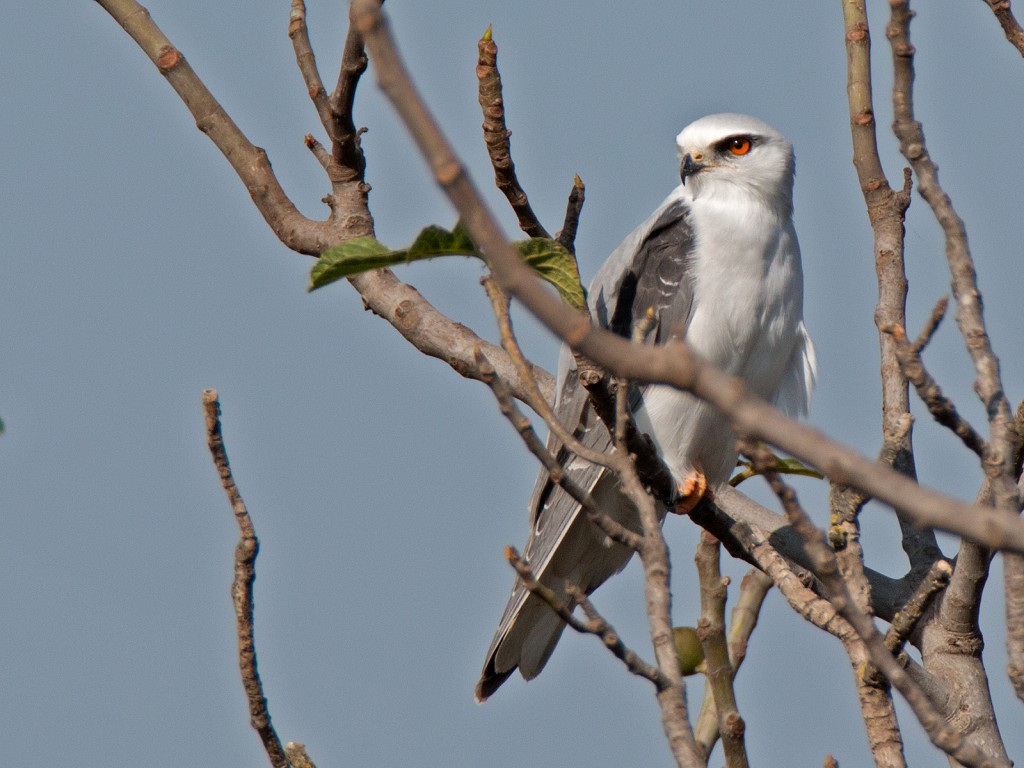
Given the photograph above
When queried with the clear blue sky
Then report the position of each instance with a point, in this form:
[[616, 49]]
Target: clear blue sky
[[136, 272]]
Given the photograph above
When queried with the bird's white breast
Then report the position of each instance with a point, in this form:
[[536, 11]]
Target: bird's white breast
[[747, 289]]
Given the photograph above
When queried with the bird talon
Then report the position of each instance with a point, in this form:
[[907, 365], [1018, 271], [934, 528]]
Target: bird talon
[[690, 492]]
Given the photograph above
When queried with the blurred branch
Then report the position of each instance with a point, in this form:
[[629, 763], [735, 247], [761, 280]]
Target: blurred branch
[[1011, 28], [241, 589], [934, 320], [496, 137]]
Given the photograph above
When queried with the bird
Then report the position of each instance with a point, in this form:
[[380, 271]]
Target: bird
[[717, 265]]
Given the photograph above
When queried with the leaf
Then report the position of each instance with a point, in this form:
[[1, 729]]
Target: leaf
[[554, 263], [360, 254], [438, 241], [549, 259]]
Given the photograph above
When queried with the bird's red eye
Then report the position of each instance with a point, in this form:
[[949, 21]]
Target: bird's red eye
[[738, 145]]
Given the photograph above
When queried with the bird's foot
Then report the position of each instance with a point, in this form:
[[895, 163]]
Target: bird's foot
[[690, 492]]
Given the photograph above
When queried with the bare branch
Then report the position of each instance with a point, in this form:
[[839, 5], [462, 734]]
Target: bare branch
[[1004, 440], [969, 314], [573, 207], [346, 149], [905, 621], [297, 756], [306, 60], [535, 398], [711, 631], [950, 740], [940, 406], [595, 624], [241, 589], [496, 137], [250, 162], [753, 589], [400, 304], [1011, 28], [671, 363], [925, 337], [886, 211]]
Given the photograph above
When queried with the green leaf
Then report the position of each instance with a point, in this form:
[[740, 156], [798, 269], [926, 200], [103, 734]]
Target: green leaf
[[548, 257], [554, 263], [438, 241], [360, 254]]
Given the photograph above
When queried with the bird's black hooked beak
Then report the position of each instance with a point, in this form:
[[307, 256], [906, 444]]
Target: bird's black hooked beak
[[690, 167]]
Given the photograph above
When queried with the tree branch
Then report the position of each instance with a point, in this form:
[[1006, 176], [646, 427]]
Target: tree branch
[[496, 137], [672, 363], [886, 212], [306, 60], [753, 589], [573, 207], [950, 740], [241, 589], [711, 631], [1011, 28], [595, 624], [1004, 442], [941, 407]]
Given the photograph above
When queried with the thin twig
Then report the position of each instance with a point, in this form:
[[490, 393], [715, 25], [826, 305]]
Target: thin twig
[[306, 60], [496, 137], [934, 320], [241, 589], [941, 407], [534, 397], [595, 624], [906, 620]]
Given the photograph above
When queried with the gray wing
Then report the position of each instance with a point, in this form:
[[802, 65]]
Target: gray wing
[[649, 270]]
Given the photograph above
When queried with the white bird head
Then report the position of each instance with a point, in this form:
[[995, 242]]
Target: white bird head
[[726, 154]]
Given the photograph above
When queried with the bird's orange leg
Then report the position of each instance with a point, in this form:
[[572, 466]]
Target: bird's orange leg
[[691, 491]]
